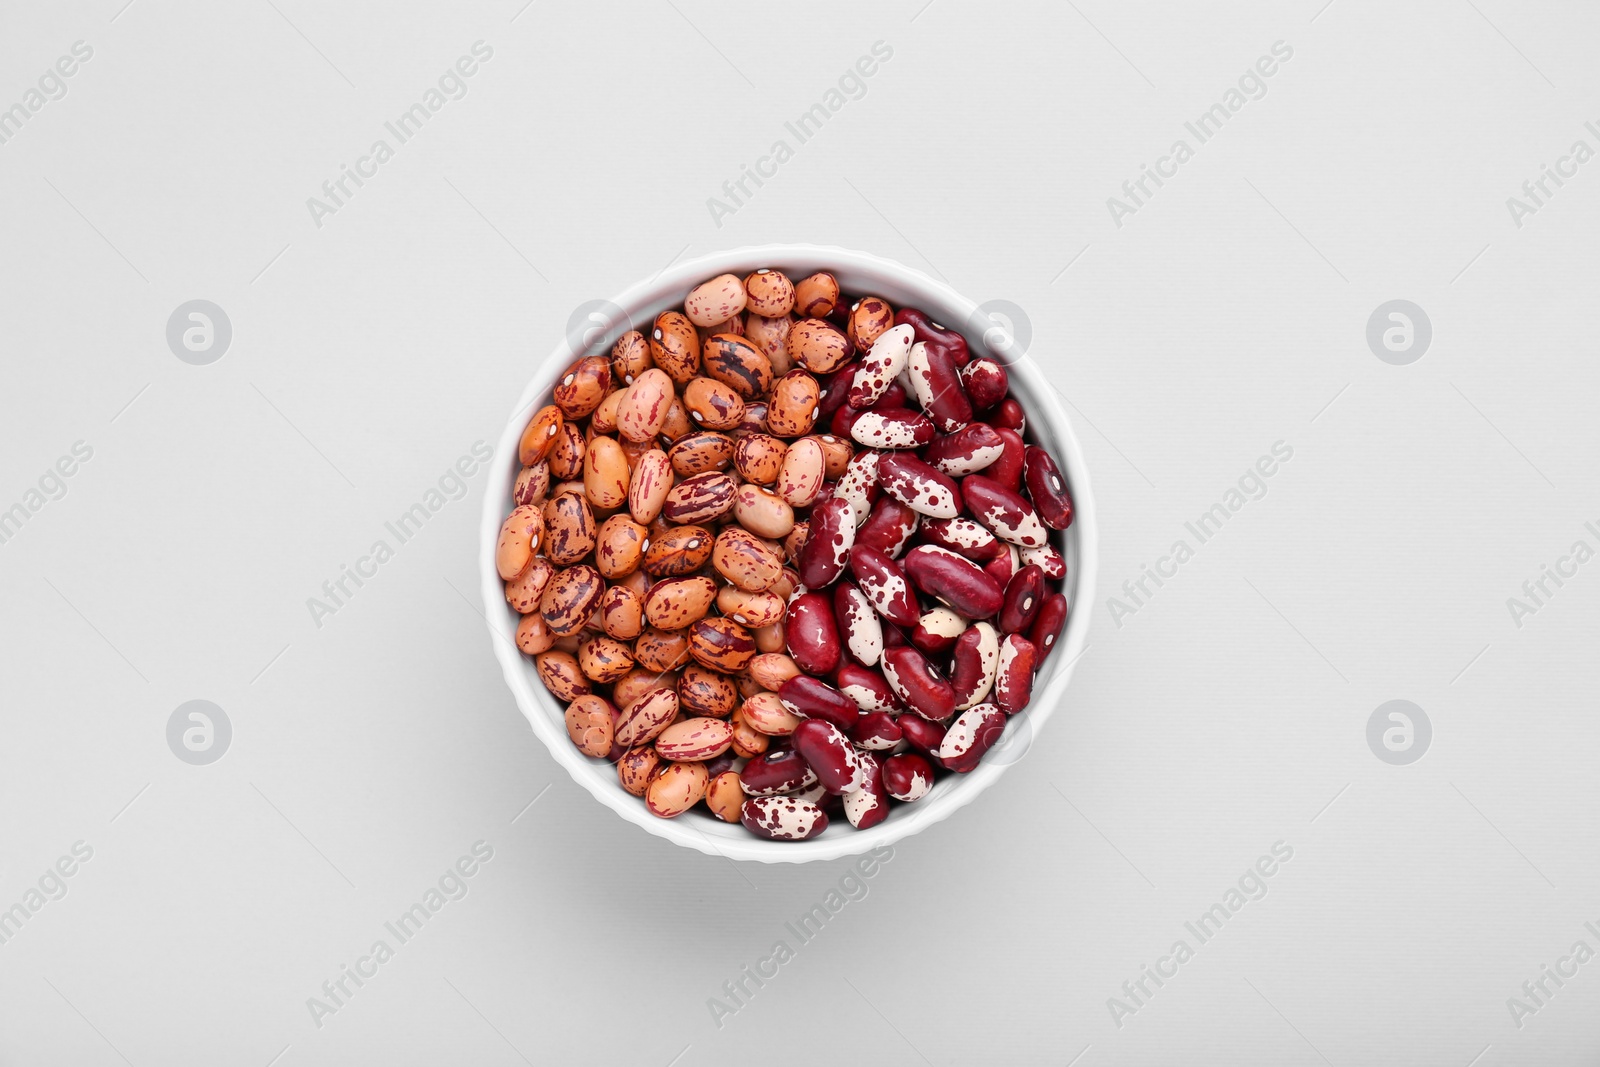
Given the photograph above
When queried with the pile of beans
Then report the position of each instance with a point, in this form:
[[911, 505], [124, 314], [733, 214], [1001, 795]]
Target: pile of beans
[[788, 554]]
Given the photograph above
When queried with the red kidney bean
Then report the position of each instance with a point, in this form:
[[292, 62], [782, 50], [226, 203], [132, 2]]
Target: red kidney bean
[[775, 771], [1013, 681], [1024, 597], [875, 731], [970, 736], [859, 484], [917, 684], [920, 733], [954, 580], [888, 527], [868, 805], [987, 383], [893, 397], [1010, 415], [859, 627], [1047, 559], [880, 366], [1007, 470], [974, 663], [1003, 566], [962, 536], [937, 385], [828, 752], [866, 687], [931, 333], [783, 818], [893, 636], [828, 541], [1047, 488], [810, 633], [967, 451], [898, 428], [907, 776], [816, 699], [918, 486], [835, 390], [1047, 627], [1007, 515], [937, 630], [885, 585], [843, 421]]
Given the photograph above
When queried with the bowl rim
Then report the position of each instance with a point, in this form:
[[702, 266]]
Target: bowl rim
[[545, 715]]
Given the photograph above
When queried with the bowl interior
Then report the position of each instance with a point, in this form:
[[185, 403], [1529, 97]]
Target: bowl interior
[[859, 274]]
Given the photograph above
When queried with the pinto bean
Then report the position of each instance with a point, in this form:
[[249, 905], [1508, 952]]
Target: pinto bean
[[762, 512], [636, 767], [523, 592], [642, 411], [675, 346], [800, 477], [713, 301], [561, 675], [676, 789], [630, 357], [677, 551], [520, 535], [712, 404], [648, 487], [583, 386], [701, 498], [540, 436], [570, 599], [819, 346], [792, 411], [758, 457], [767, 713], [738, 365], [697, 453], [870, 318], [721, 644], [769, 292]]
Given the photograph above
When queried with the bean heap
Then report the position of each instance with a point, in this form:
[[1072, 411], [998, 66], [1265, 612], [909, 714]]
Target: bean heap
[[779, 622]]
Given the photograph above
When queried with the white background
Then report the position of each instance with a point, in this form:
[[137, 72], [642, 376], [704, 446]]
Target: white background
[[1227, 714]]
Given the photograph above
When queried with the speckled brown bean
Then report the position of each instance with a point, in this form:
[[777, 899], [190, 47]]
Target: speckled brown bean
[[643, 407], [721, 644], [643, 720], [712, 301], [738, 364], [582, 386], [712, 405], [674, 603], [604, 419], [533, 636], [606, 474], [817, 295], [661, 650], [533, 483], [523, 592], [795, 543], [758, 457], [566, 458], [569, 528], [540, 436], [621, 613], [770, 638], [703, 691], [700, 499], [636, 767], [747, 742], [772, 669], [836, 454], [754, 610], [520, 535], [604, 659], [675, 346], [792, 408], [769, 292], [724, 796], [771, 336], [590, 726], [561, 675], [763, 513], [745, 560], [800, 477], [677, 551], [630, 357], [619, 546], [648, 485], [765, 712], [677, 423], [639, 681], [676, 789], [570, 599], [819, 346], [694, 739], [869, 317], [700, 452]]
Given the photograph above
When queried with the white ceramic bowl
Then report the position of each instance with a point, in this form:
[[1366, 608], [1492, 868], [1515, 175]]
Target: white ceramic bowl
[[859, 273]]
